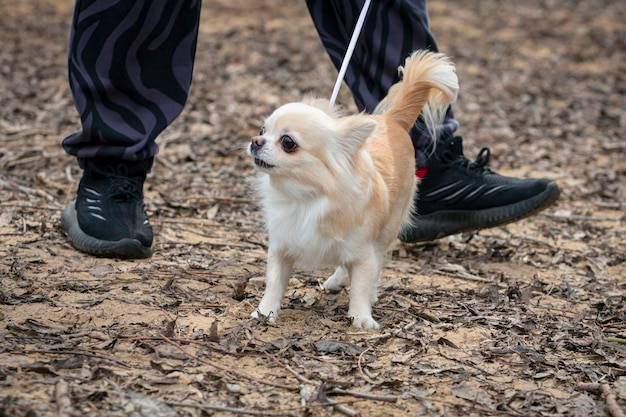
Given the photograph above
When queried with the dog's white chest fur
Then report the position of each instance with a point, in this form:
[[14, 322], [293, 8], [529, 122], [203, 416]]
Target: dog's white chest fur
[[294, 227]]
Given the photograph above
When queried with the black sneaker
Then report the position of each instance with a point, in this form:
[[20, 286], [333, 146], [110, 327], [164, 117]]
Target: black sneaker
[[107, 218], [457, 195]]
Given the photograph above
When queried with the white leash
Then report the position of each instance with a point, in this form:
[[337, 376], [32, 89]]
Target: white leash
[[348, 55]]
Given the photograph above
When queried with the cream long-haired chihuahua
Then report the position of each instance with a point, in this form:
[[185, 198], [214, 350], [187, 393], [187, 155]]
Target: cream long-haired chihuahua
[[336, 190]]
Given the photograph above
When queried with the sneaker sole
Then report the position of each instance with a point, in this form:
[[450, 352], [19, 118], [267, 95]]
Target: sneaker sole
[[123, 249], [444, 223]]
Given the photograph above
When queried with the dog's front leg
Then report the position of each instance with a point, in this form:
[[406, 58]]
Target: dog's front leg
[[279, 268], [363, 290]]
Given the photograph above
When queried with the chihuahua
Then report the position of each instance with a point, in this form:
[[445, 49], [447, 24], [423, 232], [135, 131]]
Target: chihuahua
[[336, 190]]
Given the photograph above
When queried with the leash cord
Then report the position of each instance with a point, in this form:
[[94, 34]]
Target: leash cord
[[349, 51]]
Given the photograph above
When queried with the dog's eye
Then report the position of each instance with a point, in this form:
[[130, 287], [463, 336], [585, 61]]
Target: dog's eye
[[262, 131], [288, 144]]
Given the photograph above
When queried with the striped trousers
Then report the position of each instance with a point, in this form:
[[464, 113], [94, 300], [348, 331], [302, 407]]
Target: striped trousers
[[130, 66]]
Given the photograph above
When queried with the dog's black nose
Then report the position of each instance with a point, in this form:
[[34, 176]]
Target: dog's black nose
[[256, 143]]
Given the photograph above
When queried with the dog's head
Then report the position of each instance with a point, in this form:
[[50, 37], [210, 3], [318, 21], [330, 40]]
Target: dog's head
[[309, 143]]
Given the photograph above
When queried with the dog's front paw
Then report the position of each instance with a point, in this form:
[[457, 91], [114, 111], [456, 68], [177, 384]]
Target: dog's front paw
[[365, 323], [271, 317]]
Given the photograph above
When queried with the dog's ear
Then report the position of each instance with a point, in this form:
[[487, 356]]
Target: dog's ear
[[354, 130]]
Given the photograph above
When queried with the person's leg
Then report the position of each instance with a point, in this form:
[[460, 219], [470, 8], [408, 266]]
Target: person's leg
[[392, 30], [130, 67], [455, 194]]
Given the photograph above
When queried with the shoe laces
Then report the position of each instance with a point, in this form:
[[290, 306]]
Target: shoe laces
[[124, 188], [478, 166], [121, 186]]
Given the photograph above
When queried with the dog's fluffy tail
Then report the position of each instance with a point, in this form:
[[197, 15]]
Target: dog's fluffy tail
[[429, 85]]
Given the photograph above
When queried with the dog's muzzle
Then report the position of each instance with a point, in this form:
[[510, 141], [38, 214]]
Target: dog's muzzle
[[262, 164], [256, 144]]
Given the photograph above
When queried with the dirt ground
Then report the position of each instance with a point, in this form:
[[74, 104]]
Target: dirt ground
[[511, 321]]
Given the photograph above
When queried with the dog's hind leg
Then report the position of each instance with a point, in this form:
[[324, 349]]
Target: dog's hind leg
[[338, 280]]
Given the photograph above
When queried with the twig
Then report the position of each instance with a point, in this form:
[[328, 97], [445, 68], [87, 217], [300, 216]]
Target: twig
[[358, 363], [427, 316], [616, 340], [168, 164], [393, 334], [237, 411], [322, 398], [291, 371], [76, 352], [533, 240], [342, 408], [174, 339], [614, 146], [202, 222], [226, 199], [385, 398], [526, 238], [609, 396], [173, 241], [222, 368], [474, 406], [463, 275], [10, 185], [420, 309], [580, 218], [14, 204], [20, 134], [62, 398]]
